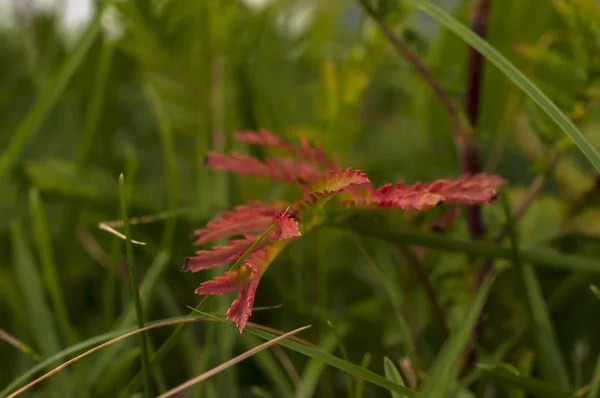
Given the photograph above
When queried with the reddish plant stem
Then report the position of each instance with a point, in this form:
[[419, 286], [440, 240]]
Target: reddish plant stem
[[416, 266], [479, 23], [467, 151]]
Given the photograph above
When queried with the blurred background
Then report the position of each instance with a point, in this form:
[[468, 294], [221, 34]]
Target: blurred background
[[147, 88]]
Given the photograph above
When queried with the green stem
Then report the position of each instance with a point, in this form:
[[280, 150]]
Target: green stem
[[540, 257], [133, 278]]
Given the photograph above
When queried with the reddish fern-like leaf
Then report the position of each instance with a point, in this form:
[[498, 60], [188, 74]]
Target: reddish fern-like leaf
[[466, 190], [246, 277], [247, 219], [230, 282], [314, 154], [241, 308], [265, 138], [219, 255], [334, 182], [285, 170]]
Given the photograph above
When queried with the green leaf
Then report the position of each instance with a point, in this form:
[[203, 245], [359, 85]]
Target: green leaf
[[392, 374], [537, 387], [514, 74], [329, 359], [551, 360], [443, 371]]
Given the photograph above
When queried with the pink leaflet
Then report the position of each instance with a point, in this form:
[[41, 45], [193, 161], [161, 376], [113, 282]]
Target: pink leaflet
[[230, 282], [219, 255], [241, 308], [286, 228], [334, 182], [252, 218], [286, 170]]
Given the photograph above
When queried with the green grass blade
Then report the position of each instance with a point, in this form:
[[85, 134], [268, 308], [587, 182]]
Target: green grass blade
[[49, 269], [360, 383], [551, 360], [133, 279], [172, 188], [537, 387], [51, 361], [338, 363], [50, 95], [392, 373], [443, 371], [514, 74], [314, 368], [147, 289], [524, 367], [30, 282], [89, 134]]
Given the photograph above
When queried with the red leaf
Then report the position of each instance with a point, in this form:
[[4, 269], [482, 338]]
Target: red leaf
[[241, 308], [287, 228], [306, 151], [466, 190], [335, 182], [253, 218], [219, 255]]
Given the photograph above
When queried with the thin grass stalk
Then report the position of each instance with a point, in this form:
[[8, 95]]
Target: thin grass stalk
[[133, 279]]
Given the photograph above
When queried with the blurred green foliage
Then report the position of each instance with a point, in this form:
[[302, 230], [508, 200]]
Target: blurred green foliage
[[178, 78]]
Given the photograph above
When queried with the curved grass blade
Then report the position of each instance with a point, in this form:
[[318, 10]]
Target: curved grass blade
[[147, 288], [230, 363], [91, 351], [514, 74], [50, 95], [537, 387], [329, 359], [85, 345], [444, 370]]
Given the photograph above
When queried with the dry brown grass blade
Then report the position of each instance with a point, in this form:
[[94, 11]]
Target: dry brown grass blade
[[229, 363], [98, 347], [113, 231]]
